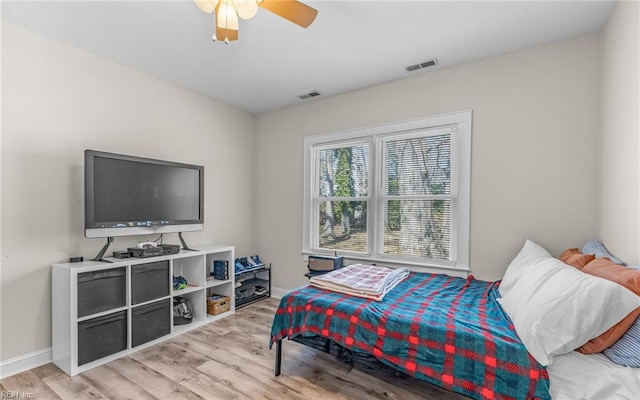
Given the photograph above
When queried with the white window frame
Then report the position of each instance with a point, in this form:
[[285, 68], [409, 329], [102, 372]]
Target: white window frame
[[460, 124]]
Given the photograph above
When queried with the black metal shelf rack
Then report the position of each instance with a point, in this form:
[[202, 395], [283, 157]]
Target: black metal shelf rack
[[250, 280]]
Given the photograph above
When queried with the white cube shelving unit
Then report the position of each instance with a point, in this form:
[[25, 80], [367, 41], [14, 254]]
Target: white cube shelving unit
[[107, 328]]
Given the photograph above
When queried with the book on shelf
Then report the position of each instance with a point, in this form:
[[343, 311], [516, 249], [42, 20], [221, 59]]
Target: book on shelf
[[220, 269]]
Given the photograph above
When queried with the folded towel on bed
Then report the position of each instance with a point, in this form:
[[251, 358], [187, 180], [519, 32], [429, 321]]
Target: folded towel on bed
[[361, 280]]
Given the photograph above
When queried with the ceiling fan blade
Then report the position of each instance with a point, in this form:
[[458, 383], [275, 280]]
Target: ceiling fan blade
[[206, 5], [228, 34], [294, 11]]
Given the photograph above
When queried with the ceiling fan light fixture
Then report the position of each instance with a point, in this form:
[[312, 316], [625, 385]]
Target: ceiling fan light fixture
[[246, 8], [227, 17], [226, 13]]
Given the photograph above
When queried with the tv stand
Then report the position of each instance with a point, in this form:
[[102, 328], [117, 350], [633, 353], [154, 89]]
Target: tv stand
[[184, 244], [101, 312], [99, 256]]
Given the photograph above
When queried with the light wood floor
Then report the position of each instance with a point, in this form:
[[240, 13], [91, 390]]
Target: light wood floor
[[228, 359]]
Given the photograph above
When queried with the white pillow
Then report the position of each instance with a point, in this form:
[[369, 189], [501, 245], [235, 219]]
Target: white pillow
[[556, 308], [528, 255]]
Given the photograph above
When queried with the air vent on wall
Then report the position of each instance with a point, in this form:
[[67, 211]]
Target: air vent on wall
[[309, 95], [422, 65]]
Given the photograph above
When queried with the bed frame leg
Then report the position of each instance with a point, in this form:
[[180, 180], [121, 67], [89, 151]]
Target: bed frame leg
[[278, 357]]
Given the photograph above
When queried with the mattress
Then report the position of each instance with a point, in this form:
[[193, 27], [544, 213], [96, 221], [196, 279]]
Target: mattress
[[576, 376]]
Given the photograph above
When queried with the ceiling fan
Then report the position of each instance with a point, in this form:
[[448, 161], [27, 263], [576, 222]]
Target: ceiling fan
[[227, 13]]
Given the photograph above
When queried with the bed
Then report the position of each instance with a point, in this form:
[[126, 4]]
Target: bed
[[510, 339], [444, 330]]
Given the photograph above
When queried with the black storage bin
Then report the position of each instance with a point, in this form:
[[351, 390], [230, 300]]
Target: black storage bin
[[102, 336], [149, 281], [101, 290], [150, 322]]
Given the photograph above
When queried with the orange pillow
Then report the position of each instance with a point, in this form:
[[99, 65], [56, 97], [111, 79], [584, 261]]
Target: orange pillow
[[576, 259], [607, 269], [627, 277]]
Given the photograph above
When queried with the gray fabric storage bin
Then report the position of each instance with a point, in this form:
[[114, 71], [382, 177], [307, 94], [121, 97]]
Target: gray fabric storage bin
[[102, 336], [101, 290], [150, 322], [149, 281]]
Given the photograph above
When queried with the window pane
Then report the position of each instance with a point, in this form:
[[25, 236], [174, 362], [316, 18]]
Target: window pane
[[420, 228], [343, 225], [419, 166], [343, 171]]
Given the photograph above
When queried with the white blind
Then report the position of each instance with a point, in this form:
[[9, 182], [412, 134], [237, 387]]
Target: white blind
[[416, 207]]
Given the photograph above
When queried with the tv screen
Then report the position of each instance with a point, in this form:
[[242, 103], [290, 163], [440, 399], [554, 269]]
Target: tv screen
[[129, 195]]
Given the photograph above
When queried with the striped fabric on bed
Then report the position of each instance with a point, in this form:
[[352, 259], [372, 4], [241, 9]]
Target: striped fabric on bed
[[362, 280], [626, 351], [447, 331]]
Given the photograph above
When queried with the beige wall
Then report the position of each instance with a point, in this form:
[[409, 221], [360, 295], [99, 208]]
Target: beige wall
[[534, 146], [58, 101], [619, 222]]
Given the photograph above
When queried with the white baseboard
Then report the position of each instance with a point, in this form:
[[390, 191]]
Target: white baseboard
[[278, 292], [25, 362]]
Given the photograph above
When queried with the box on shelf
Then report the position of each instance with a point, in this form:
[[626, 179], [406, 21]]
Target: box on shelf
[[217, 304], [150, 321], [102, 336], [149, 281], [101, 290]]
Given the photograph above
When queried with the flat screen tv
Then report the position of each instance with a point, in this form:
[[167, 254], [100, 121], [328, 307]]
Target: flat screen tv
[[129, 195]]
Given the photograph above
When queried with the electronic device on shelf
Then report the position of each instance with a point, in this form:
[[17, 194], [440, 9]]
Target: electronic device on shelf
[[121, 254], [146, 245], [145, 252], [320, 263], [169, 248]]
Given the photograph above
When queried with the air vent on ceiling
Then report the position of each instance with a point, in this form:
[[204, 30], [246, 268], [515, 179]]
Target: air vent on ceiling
[[309, 95], [422, 65]]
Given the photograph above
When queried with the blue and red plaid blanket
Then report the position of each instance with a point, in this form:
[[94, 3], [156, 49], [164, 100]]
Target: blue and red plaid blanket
[[447, 331]]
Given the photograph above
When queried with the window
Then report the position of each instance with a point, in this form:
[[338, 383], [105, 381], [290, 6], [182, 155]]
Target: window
[[342, 199], [417, 197], [397, 193]]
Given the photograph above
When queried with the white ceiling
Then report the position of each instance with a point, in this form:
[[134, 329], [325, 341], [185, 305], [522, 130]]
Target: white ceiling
[[351, 44]]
